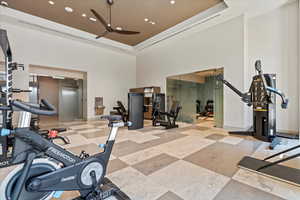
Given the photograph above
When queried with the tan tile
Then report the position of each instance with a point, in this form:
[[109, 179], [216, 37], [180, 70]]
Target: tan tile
[[126, 148], [142, 138], [136, 185], [231, 140], [140, 156], [115, 165], [89, 130], [153, 164], [277, 188], [169, 196], [94, 134], [190, 181], [216, 137], [195, 132], [185, 146], [219, 157], [202, 128], [83, 126], [163, 138], [238, 191]]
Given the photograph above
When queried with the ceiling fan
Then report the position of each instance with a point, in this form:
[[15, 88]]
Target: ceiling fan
[[108, 26]]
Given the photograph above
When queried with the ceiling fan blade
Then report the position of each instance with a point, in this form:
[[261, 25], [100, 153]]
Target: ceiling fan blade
[[125, 32], [101, 19], [102, 35]]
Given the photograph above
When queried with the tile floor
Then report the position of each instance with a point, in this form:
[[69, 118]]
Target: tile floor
[[193, 162]]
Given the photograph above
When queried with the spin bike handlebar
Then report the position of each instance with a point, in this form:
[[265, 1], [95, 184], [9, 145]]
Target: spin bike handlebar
[[116, 120], [44, 109]]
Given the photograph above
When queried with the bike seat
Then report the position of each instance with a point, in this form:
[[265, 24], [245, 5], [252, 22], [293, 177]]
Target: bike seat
[[112, 118]]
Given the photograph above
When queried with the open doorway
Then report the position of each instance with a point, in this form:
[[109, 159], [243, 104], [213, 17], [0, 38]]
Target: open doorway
[[201, 96], [65, 89], [66, 94]]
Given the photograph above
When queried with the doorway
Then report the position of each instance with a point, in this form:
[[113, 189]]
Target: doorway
[[200, 95], [66, 94]]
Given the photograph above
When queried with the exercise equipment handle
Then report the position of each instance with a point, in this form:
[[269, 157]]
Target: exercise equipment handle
[[284, 99], [244, 96], [44, 109]]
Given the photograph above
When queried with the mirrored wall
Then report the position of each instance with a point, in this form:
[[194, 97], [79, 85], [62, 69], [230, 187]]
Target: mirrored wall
[[199, 94]]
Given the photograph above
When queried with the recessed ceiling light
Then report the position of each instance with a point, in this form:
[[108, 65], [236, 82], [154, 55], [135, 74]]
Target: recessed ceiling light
[[4, 3], [172, 2], [83, 15], [146, 19], [68, 9], [51, 2], [93, 19], [119, 28]]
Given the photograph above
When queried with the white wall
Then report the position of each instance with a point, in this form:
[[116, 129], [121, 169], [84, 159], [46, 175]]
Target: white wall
[[110, 74], [273, 38], [219, 46]]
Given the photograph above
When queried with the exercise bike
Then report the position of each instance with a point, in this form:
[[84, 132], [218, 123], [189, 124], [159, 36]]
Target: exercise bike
[[45, 169]]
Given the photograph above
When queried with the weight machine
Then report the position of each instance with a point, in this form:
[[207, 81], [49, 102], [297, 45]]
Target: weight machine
[[262, 97]]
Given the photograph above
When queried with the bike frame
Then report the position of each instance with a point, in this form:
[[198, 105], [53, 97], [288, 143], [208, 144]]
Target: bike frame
[[30, 145]]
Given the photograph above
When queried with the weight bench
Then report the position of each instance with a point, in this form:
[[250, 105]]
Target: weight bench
[[167, 119], [121, 110]]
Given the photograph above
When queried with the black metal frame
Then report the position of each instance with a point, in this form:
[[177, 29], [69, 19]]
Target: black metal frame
[[261, 96], [158, 116], [121, 110]]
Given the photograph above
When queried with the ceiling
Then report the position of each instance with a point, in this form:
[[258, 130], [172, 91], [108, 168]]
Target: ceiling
[[128, 14], [197, 77]]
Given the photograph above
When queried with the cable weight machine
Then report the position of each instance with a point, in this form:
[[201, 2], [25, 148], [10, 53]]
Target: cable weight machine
[[262, 97]]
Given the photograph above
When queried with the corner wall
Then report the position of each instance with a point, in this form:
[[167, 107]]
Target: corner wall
[[273, 38], [216, 47], [109, 74]]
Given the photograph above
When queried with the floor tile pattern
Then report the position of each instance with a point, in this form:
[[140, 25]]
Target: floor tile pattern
[[194, 161]]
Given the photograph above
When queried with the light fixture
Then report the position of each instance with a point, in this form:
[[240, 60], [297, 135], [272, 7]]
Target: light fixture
[[146, 19], [51, 2], [119, 28], [83, 15], [153, 23], [93, 19], [172, 2], [4, 3], [68, 9]]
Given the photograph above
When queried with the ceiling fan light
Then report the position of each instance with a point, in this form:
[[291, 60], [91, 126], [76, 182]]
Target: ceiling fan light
[[146, 19], [119, 28], [4, 3], [93, 19], [68, 9], [83, 15], [172, 2], [51, 2]]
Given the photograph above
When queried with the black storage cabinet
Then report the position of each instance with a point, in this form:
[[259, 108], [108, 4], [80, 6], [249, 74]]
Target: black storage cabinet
[[136, 110]]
